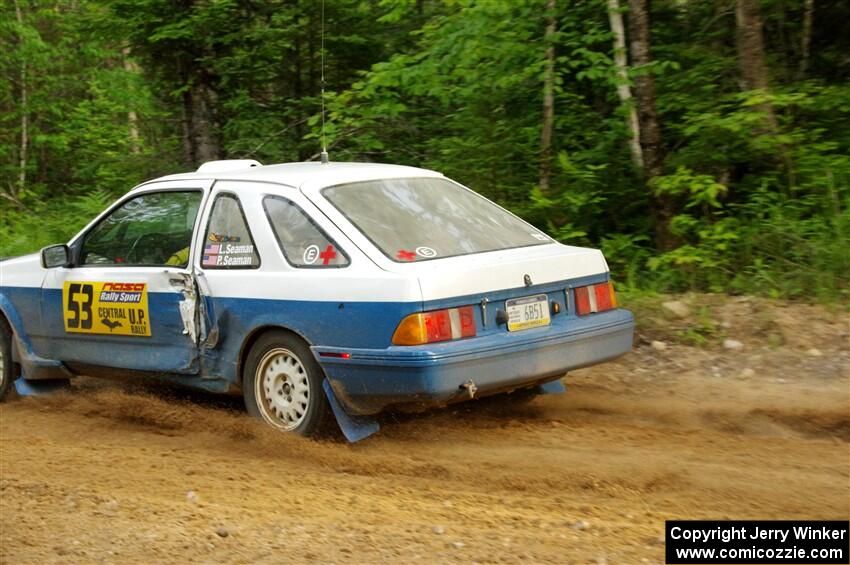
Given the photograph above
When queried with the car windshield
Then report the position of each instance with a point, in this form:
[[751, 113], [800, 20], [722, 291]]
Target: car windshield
[[416, 219]]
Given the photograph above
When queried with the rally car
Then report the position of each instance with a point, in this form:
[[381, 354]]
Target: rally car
[[318, 290]]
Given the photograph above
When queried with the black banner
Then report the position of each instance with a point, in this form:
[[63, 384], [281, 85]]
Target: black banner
[[755, 541]]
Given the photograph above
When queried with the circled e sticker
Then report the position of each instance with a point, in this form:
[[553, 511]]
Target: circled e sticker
[[311, 254], [426, 252]]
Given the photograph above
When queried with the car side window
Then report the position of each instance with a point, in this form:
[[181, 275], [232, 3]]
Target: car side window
[[304, 244], [227, 242], [153, 229]]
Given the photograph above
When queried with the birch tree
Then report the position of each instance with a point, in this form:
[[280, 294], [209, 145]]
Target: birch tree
[[624, 91], [15, 191], [548, 99], [132, 116]]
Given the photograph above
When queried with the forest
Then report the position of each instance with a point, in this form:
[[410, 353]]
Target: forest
[[703, 145]]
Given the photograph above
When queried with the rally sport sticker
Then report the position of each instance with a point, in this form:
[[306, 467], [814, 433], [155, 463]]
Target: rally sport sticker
[[112, 308]]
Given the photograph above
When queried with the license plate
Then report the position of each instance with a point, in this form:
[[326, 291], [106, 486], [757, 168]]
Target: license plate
[[527, 312]]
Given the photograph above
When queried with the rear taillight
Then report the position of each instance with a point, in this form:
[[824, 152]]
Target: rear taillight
[[439, 325], [595, 298]]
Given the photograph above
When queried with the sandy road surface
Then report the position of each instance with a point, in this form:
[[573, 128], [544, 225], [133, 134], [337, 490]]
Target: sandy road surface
[[102, 474]]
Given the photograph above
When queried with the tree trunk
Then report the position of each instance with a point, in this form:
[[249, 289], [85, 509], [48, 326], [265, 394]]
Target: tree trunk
[[203, 128], [185, 122], [624, 91], [806, 43], [298, 92], [548, 99], [200, 142], [132, 117], [22, 154], [751, 59], [312, 74], [650, 130]]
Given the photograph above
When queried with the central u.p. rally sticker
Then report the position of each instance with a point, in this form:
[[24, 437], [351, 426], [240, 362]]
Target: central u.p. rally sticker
[[111, 308]]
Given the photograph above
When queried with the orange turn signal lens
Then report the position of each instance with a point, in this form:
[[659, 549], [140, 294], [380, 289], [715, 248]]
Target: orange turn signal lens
[[411, 331], [432, 327]]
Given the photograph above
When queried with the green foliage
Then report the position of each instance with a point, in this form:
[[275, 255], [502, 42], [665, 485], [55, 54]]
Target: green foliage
[[695, 190], [577, 197], [50, 222], [760, 204]]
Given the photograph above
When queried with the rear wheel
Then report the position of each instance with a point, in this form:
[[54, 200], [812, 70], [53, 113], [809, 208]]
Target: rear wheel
[[282, 385], [6, 364]]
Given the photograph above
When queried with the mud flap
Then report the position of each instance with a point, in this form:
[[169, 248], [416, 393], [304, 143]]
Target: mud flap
[[552, 387], [41, 386], [354, 428]]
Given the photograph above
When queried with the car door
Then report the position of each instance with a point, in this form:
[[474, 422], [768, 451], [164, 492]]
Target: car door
[[227, 263], [129, 299]]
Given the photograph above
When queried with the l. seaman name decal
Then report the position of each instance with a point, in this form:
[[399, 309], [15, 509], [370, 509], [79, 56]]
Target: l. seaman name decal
[[111, 308], [227, 255]]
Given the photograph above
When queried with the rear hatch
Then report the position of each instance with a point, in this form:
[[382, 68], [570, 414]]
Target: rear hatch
[[504, 286], [462, 248], [482, 275]]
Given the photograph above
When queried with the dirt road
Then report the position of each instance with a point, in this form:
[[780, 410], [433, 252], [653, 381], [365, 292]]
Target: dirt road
[[141, 475]]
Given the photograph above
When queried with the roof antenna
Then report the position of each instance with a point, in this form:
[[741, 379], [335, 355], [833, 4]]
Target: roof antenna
[[324, 153]]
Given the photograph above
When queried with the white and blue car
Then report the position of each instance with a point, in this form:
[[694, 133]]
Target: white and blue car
[[322, 291]]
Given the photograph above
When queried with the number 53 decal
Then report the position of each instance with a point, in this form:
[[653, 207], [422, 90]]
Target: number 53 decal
[[110, 308]]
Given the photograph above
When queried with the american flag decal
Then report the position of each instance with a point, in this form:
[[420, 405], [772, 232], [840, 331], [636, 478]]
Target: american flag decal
[[211, 251]]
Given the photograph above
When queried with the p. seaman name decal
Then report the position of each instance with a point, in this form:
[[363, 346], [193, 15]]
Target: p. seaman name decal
[[227, 255], [111, 308]]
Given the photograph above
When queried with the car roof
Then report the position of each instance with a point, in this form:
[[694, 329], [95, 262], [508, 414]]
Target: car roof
[[296, 174]]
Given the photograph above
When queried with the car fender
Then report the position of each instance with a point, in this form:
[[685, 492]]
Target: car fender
[[10, 313], [34, 367], [253, 335]]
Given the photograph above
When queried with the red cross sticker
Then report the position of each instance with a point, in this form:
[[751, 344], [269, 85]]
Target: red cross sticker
[[327, 255], [404, 255]]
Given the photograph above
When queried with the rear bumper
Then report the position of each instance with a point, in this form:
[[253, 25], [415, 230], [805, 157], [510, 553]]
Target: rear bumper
[[431, 375]]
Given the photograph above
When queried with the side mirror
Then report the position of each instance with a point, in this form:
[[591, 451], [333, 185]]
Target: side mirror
[[56, 256]]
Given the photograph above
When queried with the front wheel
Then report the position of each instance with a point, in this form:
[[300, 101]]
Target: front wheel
[[282, 385]]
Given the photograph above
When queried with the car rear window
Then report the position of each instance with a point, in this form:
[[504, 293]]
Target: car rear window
[[417, 219]]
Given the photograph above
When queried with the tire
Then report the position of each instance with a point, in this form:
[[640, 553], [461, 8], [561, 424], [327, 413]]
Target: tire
[[6, 365], [282, 385]]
